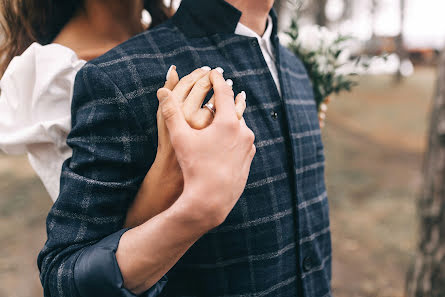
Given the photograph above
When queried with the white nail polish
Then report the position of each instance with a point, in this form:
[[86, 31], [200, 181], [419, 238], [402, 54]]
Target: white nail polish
[[229, 82], [243, 95], [323, 107], [168, 72], [220, 70], [206, 68]]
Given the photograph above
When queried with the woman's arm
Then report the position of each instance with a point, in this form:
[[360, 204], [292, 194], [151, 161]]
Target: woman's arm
[[164, 182]]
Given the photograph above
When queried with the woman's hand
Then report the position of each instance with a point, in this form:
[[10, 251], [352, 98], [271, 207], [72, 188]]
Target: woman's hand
[[163, 183], [215, 161]]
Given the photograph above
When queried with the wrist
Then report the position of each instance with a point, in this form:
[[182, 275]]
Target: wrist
[[201, 216], [167, 174]]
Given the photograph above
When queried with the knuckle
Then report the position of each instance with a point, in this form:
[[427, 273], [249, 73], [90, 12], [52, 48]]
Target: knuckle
[[188, 117], [200, 123], [227, 91], [243, 105], [196, 74], [188, 79], [250, 136], [231, 125], [253, 151], [193, 122], [214, 73], [168, 111], [199, 72], [239, 114], [204, 84]]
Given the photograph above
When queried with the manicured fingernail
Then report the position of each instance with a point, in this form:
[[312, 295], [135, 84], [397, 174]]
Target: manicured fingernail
[[322, 115], [206, 68], [169, 71], [229, 82], [323, 107], [220, 70], [243, 95]]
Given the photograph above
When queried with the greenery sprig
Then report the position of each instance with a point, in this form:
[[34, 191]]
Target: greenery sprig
[[324, 55]]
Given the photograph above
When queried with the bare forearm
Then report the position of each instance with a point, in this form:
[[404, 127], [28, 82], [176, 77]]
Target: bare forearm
[[148, 252], [160, 189]]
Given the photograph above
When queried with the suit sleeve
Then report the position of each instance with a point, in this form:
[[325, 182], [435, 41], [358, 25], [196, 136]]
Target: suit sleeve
[[110, 159]]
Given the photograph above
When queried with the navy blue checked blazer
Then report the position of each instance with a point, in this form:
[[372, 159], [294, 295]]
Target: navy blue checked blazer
[[275, 242]]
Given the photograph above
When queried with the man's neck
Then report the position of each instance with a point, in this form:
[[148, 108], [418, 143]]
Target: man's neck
[[254, 13]]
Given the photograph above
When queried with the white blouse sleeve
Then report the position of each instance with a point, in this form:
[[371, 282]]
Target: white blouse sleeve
[[35, 108]]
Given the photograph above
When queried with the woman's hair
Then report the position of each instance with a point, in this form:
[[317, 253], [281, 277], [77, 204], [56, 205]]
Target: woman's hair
[[23, 22]]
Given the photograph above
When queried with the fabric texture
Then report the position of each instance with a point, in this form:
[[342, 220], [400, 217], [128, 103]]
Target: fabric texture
[[266, 46], [93, 261], [276, 240], [35, 109]]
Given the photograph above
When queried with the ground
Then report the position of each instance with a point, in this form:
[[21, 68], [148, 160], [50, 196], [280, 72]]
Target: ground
[[374, 141]]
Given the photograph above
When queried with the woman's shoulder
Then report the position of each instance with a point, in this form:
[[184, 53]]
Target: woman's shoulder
[[35, 98], [43, 61], [39, 69], [57, 51]]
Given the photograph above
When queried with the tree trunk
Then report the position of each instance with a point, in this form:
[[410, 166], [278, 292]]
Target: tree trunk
[[426, 278]]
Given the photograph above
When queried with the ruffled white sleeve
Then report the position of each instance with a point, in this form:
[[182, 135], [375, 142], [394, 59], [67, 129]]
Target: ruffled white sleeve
[[35, 108]]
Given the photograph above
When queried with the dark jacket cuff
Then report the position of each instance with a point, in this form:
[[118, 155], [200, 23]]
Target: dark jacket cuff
[[96, 272]]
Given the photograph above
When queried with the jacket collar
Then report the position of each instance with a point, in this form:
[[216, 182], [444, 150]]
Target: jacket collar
[[199, 18]]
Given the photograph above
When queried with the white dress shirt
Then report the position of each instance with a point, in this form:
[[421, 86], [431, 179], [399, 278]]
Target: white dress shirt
[[35, 109], [266, 46]]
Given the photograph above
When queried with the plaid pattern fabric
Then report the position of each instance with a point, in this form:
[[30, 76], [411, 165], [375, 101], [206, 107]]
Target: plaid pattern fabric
[[275, 242]]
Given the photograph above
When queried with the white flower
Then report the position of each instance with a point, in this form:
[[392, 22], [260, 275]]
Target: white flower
[[344, 57], [325, 64], [309, 39], [327, 58], [316, 39], [328, 37]]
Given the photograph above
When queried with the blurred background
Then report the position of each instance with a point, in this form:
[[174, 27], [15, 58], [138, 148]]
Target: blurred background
[[375, 139]]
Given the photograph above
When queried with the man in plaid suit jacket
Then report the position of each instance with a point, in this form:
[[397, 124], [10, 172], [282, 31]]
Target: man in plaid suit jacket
[[276, 240]]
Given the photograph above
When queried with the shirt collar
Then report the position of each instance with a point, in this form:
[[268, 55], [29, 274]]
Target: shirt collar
[[265, 41], [199, 18], [246, 31]]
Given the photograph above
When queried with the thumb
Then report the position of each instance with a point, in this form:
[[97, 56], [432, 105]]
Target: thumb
[[172, 114]]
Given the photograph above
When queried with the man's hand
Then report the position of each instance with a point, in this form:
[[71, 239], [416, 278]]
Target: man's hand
[[164, 182], [215, 161]]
